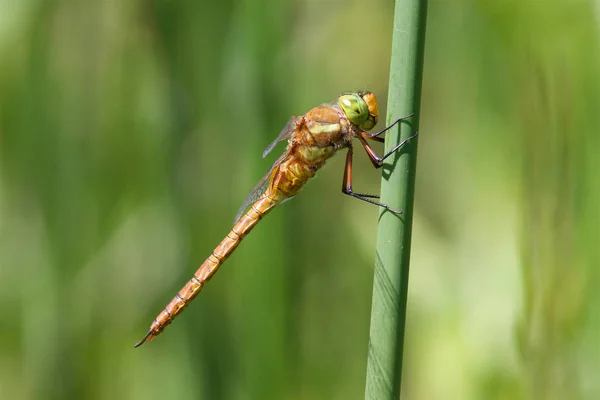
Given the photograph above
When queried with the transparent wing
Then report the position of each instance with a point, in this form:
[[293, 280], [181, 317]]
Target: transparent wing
[[260, 188], [285, 134]]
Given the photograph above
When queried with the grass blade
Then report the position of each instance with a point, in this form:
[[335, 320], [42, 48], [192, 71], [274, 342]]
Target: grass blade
[[384, 366]]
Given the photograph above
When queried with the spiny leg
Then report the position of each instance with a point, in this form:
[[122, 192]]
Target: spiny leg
[[378, 161], [374, 136], [347, 186]]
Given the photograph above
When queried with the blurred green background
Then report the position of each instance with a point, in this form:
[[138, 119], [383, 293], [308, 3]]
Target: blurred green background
[[131, 131]]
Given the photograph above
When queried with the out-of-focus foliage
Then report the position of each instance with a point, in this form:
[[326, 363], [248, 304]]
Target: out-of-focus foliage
[[130, 132]]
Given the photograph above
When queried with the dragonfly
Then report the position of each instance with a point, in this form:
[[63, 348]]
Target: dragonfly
[[312, 138]]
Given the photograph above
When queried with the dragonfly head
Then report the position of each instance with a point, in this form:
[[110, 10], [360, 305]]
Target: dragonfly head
[[373, 107], [360, 108]]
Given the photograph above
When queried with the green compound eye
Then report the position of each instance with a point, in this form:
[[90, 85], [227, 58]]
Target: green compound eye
[[354, 107]]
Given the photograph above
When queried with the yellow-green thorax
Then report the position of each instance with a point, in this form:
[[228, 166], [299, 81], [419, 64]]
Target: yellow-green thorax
[[327, 128]]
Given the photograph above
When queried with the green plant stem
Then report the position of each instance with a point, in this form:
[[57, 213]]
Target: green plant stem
[[388, 313]]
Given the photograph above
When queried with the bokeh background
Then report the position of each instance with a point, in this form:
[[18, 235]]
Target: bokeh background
[[131, 131]]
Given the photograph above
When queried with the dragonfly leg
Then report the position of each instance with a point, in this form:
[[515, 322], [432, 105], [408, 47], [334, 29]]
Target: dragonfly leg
[[347, 186], [373, 136], [378, 161]]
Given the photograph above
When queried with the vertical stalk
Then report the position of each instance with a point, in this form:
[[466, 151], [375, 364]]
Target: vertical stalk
[[388, 313]]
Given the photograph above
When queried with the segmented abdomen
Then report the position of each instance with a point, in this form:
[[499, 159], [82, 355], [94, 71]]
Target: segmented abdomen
[[285, 182]]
